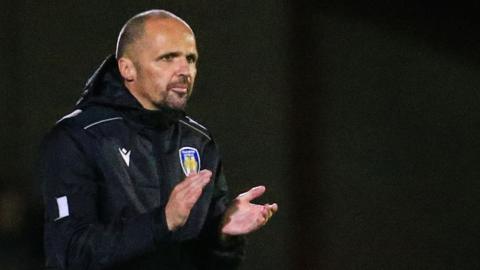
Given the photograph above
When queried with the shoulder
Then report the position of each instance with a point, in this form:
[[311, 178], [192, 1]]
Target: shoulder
[[82, 128], [83, 125], [89, 117], [193, 125]]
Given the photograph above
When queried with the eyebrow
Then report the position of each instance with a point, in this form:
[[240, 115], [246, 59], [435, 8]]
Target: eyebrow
[[174, 54]]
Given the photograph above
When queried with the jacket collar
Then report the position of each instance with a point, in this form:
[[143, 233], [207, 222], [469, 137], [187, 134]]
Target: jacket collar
[[105, 88]]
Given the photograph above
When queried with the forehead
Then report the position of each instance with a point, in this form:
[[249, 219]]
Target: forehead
[[168, 31]]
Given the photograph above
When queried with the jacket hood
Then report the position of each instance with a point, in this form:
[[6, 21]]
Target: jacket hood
[[105, 88]]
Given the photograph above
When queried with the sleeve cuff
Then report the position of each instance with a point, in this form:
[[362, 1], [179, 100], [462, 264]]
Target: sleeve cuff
[[160, 228]]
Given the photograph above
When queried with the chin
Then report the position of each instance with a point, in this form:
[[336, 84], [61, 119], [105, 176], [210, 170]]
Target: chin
[[177, 104], [179, 107]]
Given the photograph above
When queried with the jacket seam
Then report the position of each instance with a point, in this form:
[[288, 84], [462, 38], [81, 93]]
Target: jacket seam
[[194, 128], [102, 121]]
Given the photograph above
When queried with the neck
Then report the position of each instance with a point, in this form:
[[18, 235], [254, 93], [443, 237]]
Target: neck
[[146, 104]]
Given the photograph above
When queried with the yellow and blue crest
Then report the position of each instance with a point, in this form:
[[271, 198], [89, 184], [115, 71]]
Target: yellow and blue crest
[[189, 159]]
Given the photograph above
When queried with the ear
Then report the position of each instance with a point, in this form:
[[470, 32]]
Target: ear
[[127, 69]]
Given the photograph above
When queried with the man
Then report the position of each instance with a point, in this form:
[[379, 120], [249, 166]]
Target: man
[[130, 181]]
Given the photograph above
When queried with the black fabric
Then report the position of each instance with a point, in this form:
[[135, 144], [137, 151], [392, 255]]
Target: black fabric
[[116, 217]]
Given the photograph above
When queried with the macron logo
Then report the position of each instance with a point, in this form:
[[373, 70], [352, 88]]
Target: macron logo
[[125, 155]]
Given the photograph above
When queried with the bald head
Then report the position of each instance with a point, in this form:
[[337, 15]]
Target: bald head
[[134, 29], [156, 57]]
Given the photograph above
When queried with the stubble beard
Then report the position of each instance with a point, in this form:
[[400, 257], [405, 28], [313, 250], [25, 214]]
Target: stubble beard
[[173, 101]]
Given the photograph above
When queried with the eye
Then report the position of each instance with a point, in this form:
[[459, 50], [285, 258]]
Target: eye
[[191, 58], [167, 57]]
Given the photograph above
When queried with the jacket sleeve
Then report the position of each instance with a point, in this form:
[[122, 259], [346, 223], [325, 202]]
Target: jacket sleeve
[[75, 237], [220, 253]]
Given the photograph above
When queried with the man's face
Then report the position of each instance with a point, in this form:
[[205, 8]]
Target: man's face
[[165, 63]]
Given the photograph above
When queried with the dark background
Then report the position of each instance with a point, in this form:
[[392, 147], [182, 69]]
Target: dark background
[[360, 117]]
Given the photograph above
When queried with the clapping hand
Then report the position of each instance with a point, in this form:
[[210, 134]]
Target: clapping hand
[[243, 217]]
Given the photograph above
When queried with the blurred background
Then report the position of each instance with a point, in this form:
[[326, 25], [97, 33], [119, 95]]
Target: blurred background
[[360, 117]]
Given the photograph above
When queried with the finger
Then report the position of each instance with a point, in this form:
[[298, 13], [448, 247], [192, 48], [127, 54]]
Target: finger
[[186, 181], [192, 197], [202, 178], [195, 188], [267, 218], [273, 207], [252, 193], [263, 221], [263, 211], [269, 211], [194, 191], [205, 172], [194, 175], [191, 194], [194, 179]]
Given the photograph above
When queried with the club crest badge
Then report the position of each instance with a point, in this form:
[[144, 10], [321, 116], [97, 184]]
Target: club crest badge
[[189, 159]]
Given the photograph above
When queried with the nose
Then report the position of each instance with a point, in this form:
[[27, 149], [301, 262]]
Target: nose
[[183, 67]]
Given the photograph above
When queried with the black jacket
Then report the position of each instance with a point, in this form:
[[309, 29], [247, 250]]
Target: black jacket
[[108, 169]]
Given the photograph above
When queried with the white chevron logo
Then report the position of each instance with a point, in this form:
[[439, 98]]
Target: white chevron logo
[[125, 155]]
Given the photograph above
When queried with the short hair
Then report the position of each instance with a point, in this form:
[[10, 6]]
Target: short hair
[[134, 28]]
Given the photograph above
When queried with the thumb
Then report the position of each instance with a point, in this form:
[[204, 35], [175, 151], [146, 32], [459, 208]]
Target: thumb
[[252, 193]]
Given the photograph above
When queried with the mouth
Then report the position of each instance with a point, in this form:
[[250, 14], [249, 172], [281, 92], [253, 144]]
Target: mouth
[[180, 89]]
